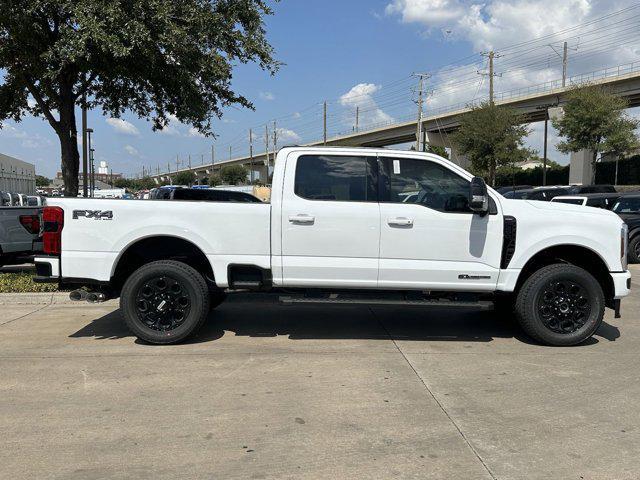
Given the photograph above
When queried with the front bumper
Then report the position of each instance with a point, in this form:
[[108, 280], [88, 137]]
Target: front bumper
[[621, 284]]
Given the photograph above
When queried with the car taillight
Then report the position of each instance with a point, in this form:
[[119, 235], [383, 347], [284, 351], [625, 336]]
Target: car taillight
[[52, 221], [31, 223]]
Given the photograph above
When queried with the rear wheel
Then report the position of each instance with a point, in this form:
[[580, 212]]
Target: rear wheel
[[560, 305], [164, 302]]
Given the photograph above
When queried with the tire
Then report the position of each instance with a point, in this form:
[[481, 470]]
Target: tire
[[634, 250], [164, 302], [560, 305]]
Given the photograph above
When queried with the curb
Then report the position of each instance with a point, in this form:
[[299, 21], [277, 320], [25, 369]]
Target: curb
[[46, 298]]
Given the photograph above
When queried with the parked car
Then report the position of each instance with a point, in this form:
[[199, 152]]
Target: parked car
[[19, 234], [628, 208], [513, 188], [598, 200], [338, 232], [544, 194], [212, 195], [580, 189]]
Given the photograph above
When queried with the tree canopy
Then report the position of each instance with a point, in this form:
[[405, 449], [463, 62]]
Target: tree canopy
[[491, 136], [184, 178], [42, 181], [234, 174], [159, 59], [595, 119]]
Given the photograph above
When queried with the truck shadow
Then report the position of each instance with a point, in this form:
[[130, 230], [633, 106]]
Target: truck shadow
[[262, 318]]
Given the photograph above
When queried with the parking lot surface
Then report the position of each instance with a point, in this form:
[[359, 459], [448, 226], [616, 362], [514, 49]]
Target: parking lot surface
[[267, 391]]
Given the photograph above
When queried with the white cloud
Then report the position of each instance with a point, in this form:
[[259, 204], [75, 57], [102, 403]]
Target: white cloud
[[287, 136], [429, 12], [361, 96], [193, 132], [12, 132], [133, 151], [122, 126], [268, 96]]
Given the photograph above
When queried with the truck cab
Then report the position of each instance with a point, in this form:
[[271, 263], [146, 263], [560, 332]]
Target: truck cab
[[354, 223]]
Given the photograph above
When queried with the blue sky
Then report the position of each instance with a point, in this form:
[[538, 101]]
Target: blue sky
[[351, 53]]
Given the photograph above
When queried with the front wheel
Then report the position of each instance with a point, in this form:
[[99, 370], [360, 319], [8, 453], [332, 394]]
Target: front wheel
[[164, 302], [634, 250], [560, 305]]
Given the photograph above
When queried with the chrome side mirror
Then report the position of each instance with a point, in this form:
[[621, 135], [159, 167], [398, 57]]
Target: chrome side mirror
[[478, 196]]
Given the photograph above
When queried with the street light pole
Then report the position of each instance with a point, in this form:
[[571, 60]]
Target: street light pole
[[88, 181]]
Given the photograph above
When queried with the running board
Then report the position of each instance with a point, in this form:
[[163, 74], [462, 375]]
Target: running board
[[336, 300]]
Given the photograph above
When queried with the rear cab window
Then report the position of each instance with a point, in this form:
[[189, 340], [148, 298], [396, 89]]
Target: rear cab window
[[338, 178]]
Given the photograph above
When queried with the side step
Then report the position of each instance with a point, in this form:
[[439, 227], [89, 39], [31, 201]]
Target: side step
[[353, 300]]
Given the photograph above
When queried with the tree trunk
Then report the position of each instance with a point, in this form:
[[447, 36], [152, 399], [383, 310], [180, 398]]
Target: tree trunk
[[593, 165], [68, 135], [492, 173]]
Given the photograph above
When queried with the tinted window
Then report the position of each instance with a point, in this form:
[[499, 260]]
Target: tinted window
[[627, 205], [572, 201], [337, 178], [425, 183]]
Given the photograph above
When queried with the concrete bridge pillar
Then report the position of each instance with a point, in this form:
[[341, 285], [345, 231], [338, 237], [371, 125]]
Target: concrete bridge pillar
[[439, 140], [260, 172], [581, 169]]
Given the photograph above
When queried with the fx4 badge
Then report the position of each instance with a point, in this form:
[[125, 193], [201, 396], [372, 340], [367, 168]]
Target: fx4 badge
[[95, 214]]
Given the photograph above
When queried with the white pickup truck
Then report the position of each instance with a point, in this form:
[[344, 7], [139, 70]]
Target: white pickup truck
[[344, 225]]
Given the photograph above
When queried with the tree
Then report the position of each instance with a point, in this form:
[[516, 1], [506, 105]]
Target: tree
[[214, 180], [438, 150], [42, 181], [185, 178], [234, 174], [145, 183], [491, 136], [159, 59], [122, 183], [594, 119]]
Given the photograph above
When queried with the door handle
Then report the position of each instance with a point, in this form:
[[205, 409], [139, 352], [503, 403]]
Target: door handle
[[302, 219], [400, 222]]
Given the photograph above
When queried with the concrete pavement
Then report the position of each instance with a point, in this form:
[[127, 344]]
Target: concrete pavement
[[267, 391]]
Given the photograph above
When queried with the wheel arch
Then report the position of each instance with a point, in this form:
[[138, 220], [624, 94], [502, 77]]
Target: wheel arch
[[159, 247], [578, 255]]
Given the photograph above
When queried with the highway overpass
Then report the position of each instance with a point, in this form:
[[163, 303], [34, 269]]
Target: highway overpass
[[532, 102]]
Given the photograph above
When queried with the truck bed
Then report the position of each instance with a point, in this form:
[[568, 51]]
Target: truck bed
[[98, 231]]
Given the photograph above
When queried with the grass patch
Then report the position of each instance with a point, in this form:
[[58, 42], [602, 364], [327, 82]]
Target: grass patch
[[22, 283]]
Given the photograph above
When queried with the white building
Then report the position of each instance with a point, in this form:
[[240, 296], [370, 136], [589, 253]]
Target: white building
[[17, 176]]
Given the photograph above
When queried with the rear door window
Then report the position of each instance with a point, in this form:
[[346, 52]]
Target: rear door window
[[337, 178]]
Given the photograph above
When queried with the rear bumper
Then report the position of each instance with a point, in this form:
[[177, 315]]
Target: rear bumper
[[621, 284], [47, 269]]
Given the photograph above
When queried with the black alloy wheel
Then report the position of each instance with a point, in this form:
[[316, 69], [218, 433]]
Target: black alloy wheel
[[564, 306], [163, 303]]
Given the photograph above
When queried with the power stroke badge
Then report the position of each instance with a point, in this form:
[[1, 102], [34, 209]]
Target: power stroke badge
[[95, 214]]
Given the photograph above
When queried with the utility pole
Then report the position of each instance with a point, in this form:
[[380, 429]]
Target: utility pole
[[357, 118], [84, 146], [266, 145], [177, 163], [201, 159], [92, 169], [251, 155], [421, 79], [565, 54], [229, 152], [491, 55], [275, 144], [189, 161], [213, 154], [324, 122]]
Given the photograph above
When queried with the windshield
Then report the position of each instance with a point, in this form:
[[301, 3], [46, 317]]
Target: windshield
[[627, 205]]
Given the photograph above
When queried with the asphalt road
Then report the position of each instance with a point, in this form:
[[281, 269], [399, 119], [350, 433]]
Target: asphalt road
[[267, 391]]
